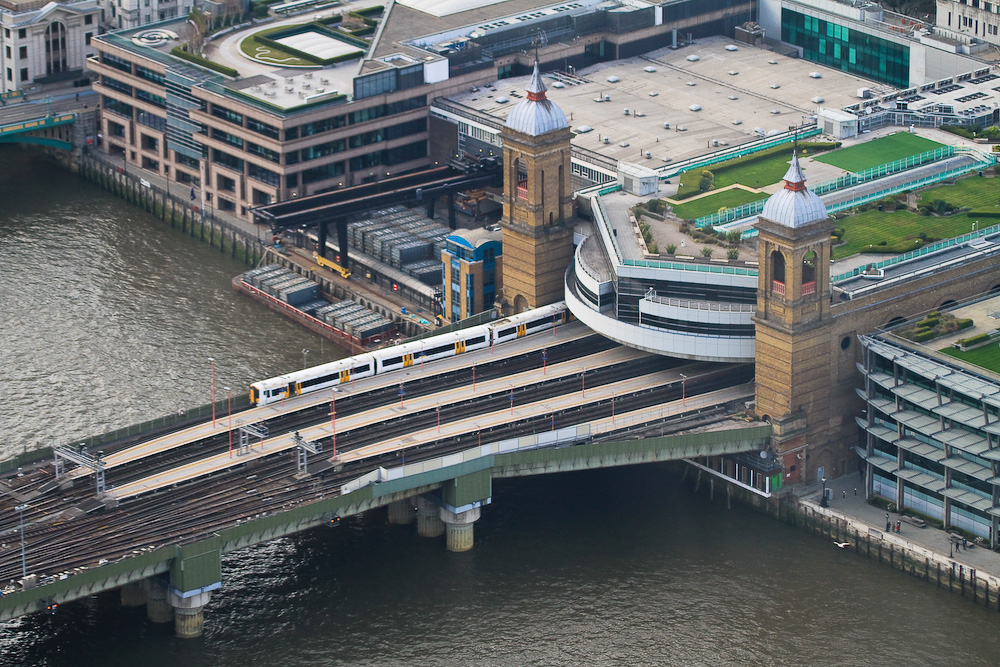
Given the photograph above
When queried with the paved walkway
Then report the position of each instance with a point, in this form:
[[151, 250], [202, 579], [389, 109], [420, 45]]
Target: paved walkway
[[850, 506]]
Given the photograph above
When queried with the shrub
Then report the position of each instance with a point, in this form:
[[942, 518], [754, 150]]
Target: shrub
[[974, 340], [706, 252], [707, 181], [653, 248], [733, 253], [654, 205], [671, 248], [204, 62], [734, 237]]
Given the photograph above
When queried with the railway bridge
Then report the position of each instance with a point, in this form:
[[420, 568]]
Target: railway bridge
[[426, 443]]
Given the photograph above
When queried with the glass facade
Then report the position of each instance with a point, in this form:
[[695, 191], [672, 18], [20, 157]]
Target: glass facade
[[848, 50]]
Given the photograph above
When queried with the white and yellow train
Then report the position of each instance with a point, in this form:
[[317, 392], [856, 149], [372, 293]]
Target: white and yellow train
[[404, 355]]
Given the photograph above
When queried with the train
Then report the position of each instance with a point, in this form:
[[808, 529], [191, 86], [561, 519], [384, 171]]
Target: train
[[404, 355]]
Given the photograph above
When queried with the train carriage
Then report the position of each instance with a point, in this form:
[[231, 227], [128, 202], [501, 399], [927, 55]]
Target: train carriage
[[532, 321], [435, 347], [312, 379]]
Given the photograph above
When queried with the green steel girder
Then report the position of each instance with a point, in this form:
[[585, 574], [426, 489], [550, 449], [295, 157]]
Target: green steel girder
[[196, 565], [29, 139]]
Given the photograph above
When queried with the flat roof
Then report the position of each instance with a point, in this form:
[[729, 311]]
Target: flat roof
[[656, 87]]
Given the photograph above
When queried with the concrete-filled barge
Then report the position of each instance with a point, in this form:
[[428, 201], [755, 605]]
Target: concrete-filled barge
[[345, 322]]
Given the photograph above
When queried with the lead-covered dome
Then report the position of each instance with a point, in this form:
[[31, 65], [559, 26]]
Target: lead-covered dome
[[536, 115], [794, 205]]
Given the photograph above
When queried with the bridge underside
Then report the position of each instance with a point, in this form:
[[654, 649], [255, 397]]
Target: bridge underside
[[196, 567]]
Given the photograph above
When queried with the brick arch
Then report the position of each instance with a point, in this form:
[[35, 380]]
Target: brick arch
[[894, 322], [947, 303]]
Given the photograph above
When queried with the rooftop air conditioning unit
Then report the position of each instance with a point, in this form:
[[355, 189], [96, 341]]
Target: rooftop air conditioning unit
[[306, 85], [321, 90], [289, 89], [309, 75], [607, 140], [324, 80]]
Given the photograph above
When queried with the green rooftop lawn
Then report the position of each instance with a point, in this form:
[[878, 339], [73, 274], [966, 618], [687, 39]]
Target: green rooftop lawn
[[712, 203], [899, 228], [753, 173], [987, 356], [978, 194], [251, 47], [879, 151]]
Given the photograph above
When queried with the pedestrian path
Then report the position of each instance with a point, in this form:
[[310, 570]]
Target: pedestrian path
[[849, 502]]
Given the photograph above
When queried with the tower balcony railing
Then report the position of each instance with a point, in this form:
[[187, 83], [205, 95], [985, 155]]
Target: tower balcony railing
[[522, 191], [808, 288], [778, 287]]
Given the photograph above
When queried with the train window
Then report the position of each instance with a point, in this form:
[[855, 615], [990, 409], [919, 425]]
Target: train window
[[476, 341], [361, 369], [393, 361], [319, 380], [439, 349], [506, 332]]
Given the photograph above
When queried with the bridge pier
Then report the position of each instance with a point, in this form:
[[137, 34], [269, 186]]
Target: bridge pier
[[189, 614], [458, 528], [401, 512], [158, 610], [134, 594], [429, 523]]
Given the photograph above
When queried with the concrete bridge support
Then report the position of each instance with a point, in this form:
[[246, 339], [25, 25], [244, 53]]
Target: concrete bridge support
[[134, 594], [401, 512], [158, 610], [458, 528], [189, 614], [429, 523]]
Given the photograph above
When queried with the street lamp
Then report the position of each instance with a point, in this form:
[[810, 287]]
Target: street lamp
[[230, 393], [213, 390], [305, 354], [684, 379], [822, 501], [24, 559]]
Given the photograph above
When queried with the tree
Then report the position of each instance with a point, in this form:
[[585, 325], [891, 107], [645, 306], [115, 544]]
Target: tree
[[707, 181], [734, 237]]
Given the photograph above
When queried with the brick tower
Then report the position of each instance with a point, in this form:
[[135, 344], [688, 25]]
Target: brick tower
[[793, 326], [537, 203]]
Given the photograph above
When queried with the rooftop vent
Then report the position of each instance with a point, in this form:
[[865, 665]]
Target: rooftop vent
[[733, 72], [558, 84], [732, 47], [692, 83], [816, 75], [653, 93], [694, 107], [775, 86], [817, 100], [502, 100], [737, 122], [734, 97], [583, 129], [772, 62], [613, 79], [693, 58], [648, 68]]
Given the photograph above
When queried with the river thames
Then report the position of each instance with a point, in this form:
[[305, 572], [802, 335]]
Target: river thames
[[109, 319]]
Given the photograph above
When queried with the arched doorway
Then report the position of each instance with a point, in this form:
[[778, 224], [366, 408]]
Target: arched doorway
[[520, 304]]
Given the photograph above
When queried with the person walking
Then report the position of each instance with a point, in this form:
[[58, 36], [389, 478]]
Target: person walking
[[888, 524]]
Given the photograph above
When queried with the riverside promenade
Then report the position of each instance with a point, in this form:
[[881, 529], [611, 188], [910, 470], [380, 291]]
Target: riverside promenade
[[930, 545]]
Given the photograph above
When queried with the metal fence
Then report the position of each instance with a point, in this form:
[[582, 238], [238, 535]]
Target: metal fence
[[848, 180], [926, 250]]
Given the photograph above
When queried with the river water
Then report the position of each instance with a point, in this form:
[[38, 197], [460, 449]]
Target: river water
[[109, 317]]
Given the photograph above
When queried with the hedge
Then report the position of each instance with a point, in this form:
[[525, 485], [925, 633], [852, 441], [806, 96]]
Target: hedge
[[308, 57], [179, 52], [983, 214], [370, 11], [974, 340], [964, 324], [922, 336]]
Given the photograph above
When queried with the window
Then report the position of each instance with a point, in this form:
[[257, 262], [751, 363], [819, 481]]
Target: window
[[24, 74], [88, 19], [22, 33], [10, 74], [22, 52], [8, 53], [87, 37]]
